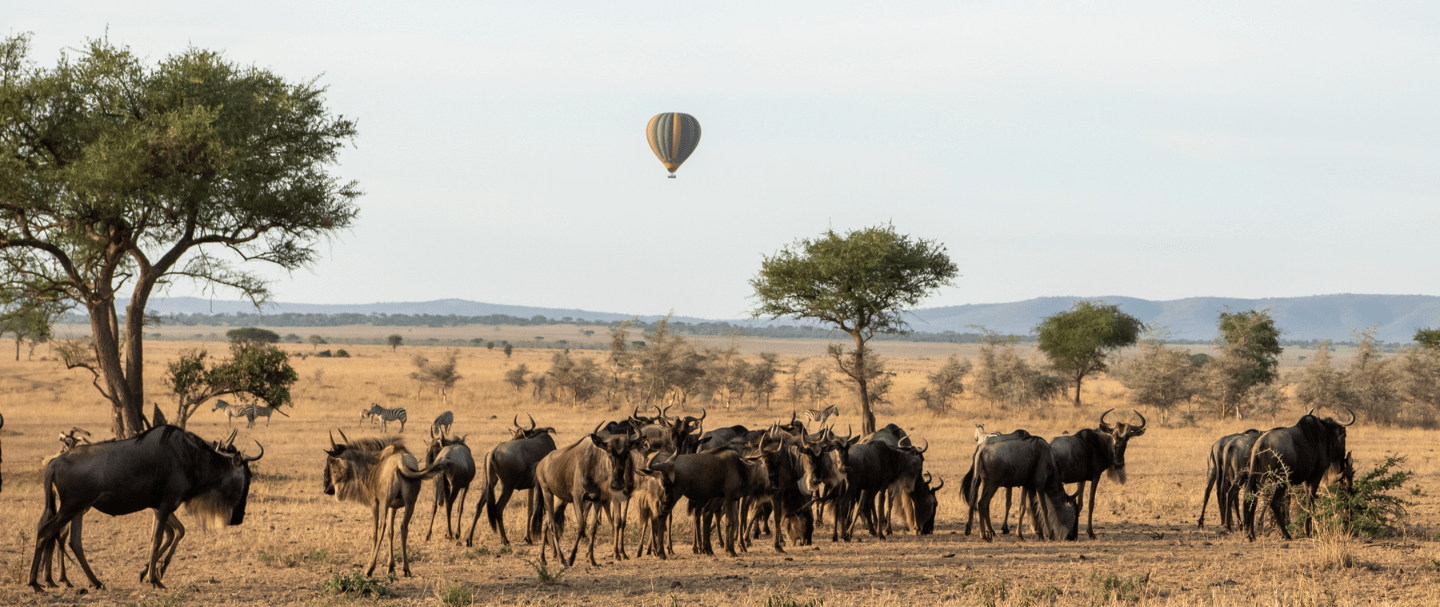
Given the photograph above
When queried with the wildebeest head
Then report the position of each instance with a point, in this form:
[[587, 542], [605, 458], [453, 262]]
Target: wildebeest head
[[1335, 431], [521, 432], [347, 463], [926, 503], [1120, 435], [225, 504], [617, 447]]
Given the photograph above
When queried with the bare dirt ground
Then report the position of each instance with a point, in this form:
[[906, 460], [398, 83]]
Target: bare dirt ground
[[1148, 550]]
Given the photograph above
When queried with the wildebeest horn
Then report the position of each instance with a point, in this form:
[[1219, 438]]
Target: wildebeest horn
[[1142, 417], [1352, 418], [792, 416], [515, 420], [230, 442], [906, 442], [635, 413], [342, 436], [702, 414], [256, 458], [927, 445], [332, 440], [597, 428], [936, 488], [1102, 415], [1311, 411]]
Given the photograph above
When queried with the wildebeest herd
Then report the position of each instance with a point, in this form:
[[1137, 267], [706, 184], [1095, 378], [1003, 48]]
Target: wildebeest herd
[[739, 483]]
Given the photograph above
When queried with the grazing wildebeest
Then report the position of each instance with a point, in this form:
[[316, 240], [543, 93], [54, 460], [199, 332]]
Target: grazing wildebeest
[[594, 471], [714, 481], [1228, 464], [1288, 457], [1027, 463], [382, 474], [395, 414], [967, 481], [442, 424], [511, 466], [159, 469], [870, 469], [926, 504], [1085, 455], [453, 486]]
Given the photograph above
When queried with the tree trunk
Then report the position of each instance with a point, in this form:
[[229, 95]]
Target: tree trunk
[[867, 425], [1078, 379]]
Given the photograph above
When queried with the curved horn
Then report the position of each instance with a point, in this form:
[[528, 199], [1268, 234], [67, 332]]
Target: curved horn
[[1102, 415], [937, 488], [516, 420], [332, 440], [792, 416], [906, 442], [702, 415], [532, 421], [1311, 411], [256, 458], [635, 413], [597, 428], [1352, 418], [927, 445], [1142, 417], [342, 436]]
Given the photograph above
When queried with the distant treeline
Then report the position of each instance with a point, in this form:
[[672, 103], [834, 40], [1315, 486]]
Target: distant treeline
[[291, 319]]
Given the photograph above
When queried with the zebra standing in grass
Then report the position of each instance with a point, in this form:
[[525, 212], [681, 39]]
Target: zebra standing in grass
[[387, 415], [234, 411], [265, 412], [442, 424]]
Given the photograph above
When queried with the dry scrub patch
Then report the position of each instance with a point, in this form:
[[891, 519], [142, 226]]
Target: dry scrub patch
[[295, 539]]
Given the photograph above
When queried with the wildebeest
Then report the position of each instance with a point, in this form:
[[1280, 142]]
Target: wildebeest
[[967, 482], [926, 504], [385, 416], [1288, 457], [1025, 462], [382, 474], [442, 424], [1085, 455], [713, 481], [159, 469], [720, 437], [594, 471], [1229, 463], [871, 468], [511, 466], [453, 486]]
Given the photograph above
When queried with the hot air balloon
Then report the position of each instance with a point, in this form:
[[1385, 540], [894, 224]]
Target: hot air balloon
[[673, 136]]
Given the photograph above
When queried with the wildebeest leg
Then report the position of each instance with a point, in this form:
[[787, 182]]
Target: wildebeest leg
[[76, 528], [1210, 480], [1020, 523], [379, 539], [1090, 511], [580, 516], [1279, 508], [779, 526], [732, 528], [439, 496], [177, 533], [461, 494], [987, 531], [157, 539], [1005, 522], [404, 536]]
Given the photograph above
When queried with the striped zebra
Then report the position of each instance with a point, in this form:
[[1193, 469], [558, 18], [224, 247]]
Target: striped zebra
[[263, 411], [234, 411], [442, 425], [387, 415]]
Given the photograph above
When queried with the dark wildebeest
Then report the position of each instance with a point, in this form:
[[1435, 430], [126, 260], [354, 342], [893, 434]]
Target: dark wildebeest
[[511, 466], [712, 481], [1085, 455], [1028, 463], [824, 464], [382, 474], [720, 437], [1229, 462], [1287, 457], [926, 504], [453, 486], [594, 471], [442, 423], [871, 468], [160, 469], [967, 481]]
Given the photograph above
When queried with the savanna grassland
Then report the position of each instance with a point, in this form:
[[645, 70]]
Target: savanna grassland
[[295, 539]]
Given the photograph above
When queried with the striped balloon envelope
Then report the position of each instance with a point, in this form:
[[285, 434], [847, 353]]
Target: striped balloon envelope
[[673, 137]]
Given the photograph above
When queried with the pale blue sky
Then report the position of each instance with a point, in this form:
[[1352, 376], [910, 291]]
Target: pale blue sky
[[1237, 149]]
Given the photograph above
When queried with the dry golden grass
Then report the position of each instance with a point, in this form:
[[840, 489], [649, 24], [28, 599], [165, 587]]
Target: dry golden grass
[[294, 539]]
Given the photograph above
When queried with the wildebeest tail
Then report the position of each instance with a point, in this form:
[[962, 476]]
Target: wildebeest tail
[[439, 467]]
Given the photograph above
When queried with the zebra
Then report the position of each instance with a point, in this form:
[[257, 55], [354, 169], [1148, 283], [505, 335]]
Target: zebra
[[263, 411], [234, 411], [387, 415], [442, 425], [820, 415]]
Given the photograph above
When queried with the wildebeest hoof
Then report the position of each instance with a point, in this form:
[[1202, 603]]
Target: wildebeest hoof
[[37, 588]]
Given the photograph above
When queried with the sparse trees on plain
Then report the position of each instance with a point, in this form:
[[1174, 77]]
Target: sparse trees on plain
[[438, 377], [578, 379], [1428, 338], [394, 341], [1158, 376], [252, 334], [27, 320], [316, 341], [860, 282], [1003, 377], [1249, 357], [255, 370], [120, 173], [1079, 341], [944, 385], [516, 377]]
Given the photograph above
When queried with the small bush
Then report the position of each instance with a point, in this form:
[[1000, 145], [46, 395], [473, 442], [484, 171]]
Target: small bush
[[324, 354], [543, 573], [341, 353], [358, 584], [455, 595], [1366, 508], [1111, 587]]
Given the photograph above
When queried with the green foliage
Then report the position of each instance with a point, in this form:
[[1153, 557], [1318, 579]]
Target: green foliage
[[358, 584], [1004, 378], [316, 341], [438, 377], [508, 349], [861, 282], [544, 575], [1109, 587], [516, 377], [324, 354], [1428, 338], [578, 380], [129, 169], [944, 385], [292, 338], [255, 370], [341, 353], [394, 341], [1366, 508], [1252, 335], [455, 595], [26, 319], [1078, 341], [252, 334]]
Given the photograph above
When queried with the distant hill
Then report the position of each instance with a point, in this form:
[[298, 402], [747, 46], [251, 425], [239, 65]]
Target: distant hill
[[1335, 317]]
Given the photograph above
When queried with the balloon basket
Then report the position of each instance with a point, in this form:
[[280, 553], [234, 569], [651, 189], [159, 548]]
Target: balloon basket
[[671, 176]]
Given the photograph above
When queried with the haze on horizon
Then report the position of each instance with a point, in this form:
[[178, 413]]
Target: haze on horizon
[[1130, 149]]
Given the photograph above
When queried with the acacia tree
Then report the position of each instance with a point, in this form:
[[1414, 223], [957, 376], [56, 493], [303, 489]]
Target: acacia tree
[[1079, 340], [120, 175], [861, 282], [27, 320], [255, 370], [394, 341], [1249, 357]]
